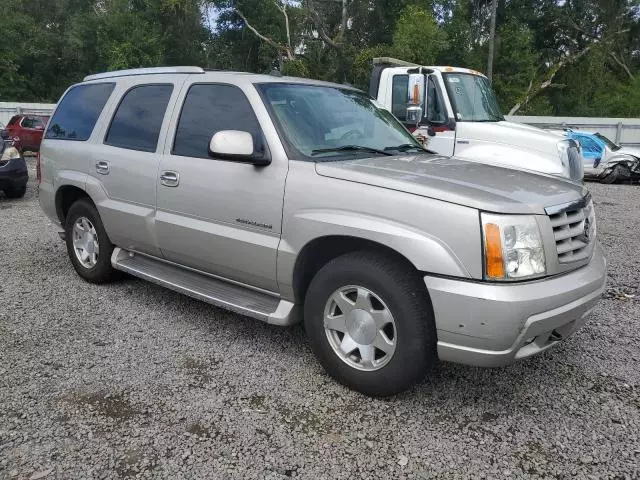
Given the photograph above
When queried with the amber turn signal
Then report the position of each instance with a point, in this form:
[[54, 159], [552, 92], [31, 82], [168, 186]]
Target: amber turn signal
[[493, 251]]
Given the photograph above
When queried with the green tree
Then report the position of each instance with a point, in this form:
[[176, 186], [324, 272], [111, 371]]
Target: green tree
[[417, 37], [516, 63]]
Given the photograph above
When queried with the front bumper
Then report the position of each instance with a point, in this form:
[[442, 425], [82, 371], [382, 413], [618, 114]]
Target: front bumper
[[488, 324]]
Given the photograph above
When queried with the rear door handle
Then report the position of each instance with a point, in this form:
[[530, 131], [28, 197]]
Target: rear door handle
[[102, 168], [169, 178]]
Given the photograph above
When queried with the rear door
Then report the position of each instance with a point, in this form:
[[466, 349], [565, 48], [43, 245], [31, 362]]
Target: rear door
[[125, 162], [217, 215]]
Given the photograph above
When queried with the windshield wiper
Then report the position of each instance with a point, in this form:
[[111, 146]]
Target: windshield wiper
[[405, 147], [349, 148]]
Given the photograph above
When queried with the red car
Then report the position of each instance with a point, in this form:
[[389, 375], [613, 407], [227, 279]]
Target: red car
[[27, 131]]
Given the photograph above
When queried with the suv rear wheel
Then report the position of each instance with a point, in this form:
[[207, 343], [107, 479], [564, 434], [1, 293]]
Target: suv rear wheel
[[370, 324], [88, 245]]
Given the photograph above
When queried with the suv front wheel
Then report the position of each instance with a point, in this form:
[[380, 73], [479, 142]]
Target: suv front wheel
[[369, 321], [88, 245]]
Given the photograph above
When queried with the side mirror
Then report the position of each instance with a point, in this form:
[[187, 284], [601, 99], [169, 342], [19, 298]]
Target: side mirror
[[415, 98], [236, 145]]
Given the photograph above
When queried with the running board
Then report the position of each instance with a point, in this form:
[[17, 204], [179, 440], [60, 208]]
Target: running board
[[218, 292]]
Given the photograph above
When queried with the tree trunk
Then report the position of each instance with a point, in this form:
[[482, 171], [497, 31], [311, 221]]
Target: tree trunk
[[492, 39], [344, 19], [341, 60]]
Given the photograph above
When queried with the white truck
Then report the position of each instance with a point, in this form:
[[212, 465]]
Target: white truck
[[457, 113]]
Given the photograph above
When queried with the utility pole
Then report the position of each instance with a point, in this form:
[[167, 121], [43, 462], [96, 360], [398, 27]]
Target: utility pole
[[492, 39]]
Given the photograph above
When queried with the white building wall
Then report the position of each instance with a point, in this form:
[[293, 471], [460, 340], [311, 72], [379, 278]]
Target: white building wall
[[9, 109]]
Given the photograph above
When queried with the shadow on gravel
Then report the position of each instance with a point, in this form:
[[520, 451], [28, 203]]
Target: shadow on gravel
[[112, 405]]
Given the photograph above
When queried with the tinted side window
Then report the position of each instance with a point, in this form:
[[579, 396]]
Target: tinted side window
[[13, 120], [399, 95], [137, 121], [208, 109], [78, 111]]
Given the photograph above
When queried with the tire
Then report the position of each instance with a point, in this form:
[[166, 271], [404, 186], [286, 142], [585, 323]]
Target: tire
[[101, 271], [16, 192], [393, 287]]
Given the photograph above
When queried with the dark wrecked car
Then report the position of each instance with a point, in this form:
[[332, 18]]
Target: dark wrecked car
[[13, 168]]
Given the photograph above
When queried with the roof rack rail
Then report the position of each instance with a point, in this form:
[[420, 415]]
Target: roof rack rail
[[143, 71]]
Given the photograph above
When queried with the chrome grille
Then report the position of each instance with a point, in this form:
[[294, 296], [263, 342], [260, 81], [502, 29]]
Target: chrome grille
[[574, 229]]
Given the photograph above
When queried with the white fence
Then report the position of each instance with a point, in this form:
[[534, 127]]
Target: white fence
[[625, 131], [9, 109]]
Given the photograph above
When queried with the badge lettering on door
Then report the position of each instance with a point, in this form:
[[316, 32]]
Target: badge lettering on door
[[254, 224]]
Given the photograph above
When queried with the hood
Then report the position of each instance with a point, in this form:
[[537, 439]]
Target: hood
[[511, 144], [635, 151], [518, 134], [485, 187]]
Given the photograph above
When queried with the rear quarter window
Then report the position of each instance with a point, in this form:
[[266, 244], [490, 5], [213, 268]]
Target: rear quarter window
[[78, 112]]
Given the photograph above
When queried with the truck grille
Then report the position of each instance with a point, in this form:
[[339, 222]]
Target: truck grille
[[574, 229]]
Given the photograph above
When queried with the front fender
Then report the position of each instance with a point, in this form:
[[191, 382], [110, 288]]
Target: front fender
[[426, 252]]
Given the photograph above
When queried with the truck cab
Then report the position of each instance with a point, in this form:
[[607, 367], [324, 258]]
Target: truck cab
[[456, 112]]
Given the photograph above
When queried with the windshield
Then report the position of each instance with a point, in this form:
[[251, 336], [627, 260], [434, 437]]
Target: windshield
[[472, 98], [613, 146], [328, 123]]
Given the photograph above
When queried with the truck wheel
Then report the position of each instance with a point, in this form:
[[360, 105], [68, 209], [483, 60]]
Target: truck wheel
[[370, 323], [16, 192], [88, 245]]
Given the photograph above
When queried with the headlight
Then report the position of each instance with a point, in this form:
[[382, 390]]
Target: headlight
[[9, 153], [513, 247]]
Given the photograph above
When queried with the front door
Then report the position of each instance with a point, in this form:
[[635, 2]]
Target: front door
[[442, 138], [216, 215]]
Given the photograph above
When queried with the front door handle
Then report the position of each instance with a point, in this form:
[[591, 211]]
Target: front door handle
[[102, 168], [169, 178]]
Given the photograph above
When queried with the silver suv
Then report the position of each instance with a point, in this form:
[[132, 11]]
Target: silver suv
[[288, 199]]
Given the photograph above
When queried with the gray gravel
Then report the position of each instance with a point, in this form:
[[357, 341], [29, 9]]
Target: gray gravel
[[132, 380]]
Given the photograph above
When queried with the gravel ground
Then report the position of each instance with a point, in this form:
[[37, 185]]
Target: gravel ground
[[132, 380]]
